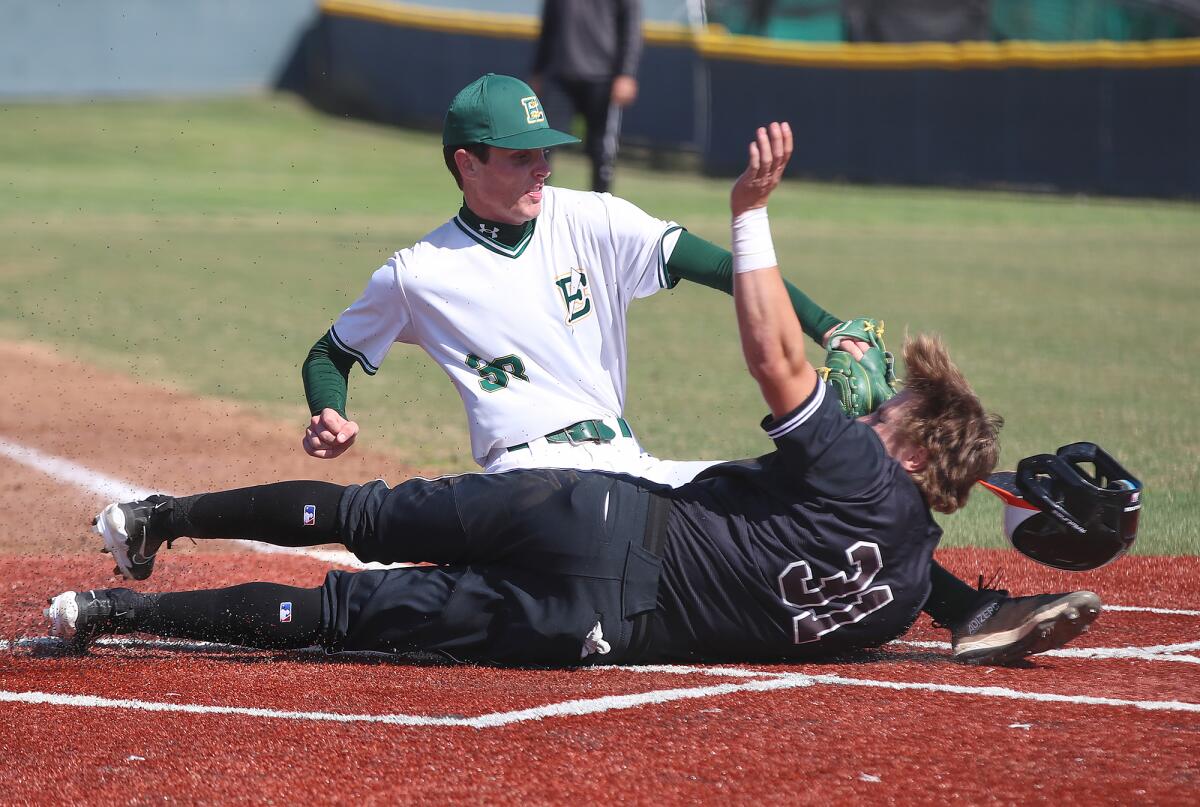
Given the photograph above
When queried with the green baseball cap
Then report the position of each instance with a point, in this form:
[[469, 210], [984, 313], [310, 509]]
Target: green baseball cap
[[500, 111]]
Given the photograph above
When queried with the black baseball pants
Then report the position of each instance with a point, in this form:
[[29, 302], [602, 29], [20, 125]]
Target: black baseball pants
[[531, 563]]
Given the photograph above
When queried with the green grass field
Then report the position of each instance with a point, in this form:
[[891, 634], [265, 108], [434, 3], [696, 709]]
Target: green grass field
[[207, 244]]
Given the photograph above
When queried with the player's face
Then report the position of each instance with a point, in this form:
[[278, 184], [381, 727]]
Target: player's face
[[508, 187], [885, 422]]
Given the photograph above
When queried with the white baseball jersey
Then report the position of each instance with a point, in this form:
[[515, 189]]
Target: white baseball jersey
[[534, 337]]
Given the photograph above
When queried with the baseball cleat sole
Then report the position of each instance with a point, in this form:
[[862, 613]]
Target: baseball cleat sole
[[1048, 628], [110, 525], [63, 614]]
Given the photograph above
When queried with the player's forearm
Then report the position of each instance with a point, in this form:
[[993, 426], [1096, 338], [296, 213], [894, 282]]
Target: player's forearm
[[326, 374], [772, 341], [705, 263]]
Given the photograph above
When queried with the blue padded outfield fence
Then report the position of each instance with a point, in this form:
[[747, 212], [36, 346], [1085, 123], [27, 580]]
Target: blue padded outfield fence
[[1103, 117]]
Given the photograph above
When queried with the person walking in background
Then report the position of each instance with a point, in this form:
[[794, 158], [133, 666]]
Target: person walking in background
[[586, 62]]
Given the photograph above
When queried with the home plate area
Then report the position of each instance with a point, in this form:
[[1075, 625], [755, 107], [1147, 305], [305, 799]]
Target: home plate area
[[138, 719]]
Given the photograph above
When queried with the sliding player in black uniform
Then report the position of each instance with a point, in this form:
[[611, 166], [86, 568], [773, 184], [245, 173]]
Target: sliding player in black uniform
[[822, 547]]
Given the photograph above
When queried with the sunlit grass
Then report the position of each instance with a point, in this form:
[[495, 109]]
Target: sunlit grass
[[209, 243]]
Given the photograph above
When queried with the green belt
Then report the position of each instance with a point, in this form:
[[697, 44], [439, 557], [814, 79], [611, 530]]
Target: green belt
[[585, 431]]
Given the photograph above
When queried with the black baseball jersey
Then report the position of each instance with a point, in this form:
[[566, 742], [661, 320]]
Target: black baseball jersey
[[822, 546]]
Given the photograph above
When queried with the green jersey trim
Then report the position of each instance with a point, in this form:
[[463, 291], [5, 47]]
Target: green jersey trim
[[368, 368], [508, 240]]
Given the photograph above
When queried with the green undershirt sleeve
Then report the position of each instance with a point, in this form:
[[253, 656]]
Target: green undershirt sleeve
[[706, 263], [326, 374]]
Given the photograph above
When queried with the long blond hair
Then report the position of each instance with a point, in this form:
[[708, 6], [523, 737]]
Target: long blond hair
[[946, 417]]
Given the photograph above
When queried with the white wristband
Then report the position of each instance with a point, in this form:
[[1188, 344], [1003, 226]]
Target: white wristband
[[752, 245]]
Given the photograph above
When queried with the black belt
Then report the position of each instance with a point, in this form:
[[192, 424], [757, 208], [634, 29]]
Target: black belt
[[654, 541], [585, 431]]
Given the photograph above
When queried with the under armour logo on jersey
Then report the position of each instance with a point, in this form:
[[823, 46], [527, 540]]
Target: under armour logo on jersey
[[575, 294], [494, 232]]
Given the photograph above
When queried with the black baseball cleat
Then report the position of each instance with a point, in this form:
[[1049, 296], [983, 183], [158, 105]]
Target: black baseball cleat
[[79, 617], [129, 536], [1006, 629]]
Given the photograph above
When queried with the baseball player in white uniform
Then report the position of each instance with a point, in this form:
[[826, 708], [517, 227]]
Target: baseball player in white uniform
[[521, 299], [552, 360]]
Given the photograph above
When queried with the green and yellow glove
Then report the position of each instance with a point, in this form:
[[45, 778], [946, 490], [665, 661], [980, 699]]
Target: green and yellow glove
[[862, 385]]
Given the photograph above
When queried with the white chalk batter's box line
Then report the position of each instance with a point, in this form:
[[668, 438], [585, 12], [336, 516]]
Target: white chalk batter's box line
[[748, 681]]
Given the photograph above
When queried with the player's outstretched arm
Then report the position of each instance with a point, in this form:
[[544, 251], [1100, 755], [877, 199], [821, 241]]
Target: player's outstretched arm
[[326, 374], [772, 340]]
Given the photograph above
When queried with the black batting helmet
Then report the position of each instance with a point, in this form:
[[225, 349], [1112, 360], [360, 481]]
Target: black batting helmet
[[1060, 514]]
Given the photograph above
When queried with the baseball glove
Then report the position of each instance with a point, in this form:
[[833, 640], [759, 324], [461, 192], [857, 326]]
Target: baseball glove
[[861, 385], [864, 329]]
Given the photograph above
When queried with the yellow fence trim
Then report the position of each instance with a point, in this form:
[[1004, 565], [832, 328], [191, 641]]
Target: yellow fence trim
[[478, 23], [715, 43], [959, 55]]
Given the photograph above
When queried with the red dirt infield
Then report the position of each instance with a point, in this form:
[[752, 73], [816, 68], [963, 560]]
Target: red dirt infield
[[1113, 718]]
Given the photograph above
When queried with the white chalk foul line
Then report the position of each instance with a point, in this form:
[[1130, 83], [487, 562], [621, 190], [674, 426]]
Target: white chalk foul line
[[1011, 694], [570, 708], [118, 490], [1158, 653], [72, 473], [763, 682], [1143, 609]]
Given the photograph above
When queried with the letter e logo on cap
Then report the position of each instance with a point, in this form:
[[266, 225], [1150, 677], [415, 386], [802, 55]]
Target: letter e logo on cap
[[533, 110]]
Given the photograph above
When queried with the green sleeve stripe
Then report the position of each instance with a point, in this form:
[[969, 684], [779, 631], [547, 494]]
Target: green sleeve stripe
[[705, 263]]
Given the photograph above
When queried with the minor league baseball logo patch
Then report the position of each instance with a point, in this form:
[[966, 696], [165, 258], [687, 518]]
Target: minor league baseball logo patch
[[285, 612], [310, 515], [533, 110]]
